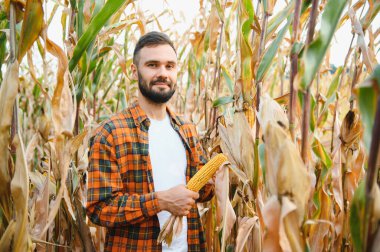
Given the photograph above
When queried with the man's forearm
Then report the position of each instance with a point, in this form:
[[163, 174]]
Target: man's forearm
[[123, 210]]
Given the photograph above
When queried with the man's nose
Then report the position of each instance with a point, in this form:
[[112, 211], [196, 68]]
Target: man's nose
[[162, 72]]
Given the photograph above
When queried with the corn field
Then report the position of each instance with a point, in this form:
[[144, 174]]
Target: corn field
[[301, 135]]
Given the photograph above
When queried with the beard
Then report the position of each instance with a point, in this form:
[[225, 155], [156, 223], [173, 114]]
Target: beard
[[156, 96]]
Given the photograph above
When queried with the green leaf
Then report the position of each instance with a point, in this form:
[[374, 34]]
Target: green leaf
[[227, 76], [275, 22], [367, 104], [321, 153], [370, 15], [31, 26], [220, 10], [357, 217], [93, 29], [123, 99], [222, 101], [249, 8], [80, 18], [313, 120], [261, 155], [334, 84], [297, 48], [271, 52], [305, 5], [314, 54], [265, 5]]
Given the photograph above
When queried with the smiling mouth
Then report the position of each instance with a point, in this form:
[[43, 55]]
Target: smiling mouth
[[161, 84]]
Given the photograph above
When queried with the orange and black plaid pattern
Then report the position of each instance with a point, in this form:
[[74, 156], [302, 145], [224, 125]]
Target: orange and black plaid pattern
[[121, 192]]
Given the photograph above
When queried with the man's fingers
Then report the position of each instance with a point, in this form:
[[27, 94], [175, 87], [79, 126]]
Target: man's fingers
[[195, 195]]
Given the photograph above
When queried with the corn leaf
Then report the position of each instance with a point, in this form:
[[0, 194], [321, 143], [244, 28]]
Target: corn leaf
[[20, 196], [269, 55], [370, 15], [226, 216], [316, 51], [8, 93], [31, 26], [6, 238], [367, 104], [246, 225], [62, 102], [320, 151], [93, 29], [222, 101], [334, 83], [227, 76], [357, 217], [275, 22]]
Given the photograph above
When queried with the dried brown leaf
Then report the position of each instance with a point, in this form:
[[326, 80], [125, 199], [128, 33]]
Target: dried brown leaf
[[286, 172], [30, 148], [271, 218], [320, 229], [41, 209], [166, 233], [7, 237], [63, 111], [354, 174], [8, 93], [225, 215], [351, 133], [20, 195], [237, 143], [246, 225], [290, 238], [62, 149], [271, 111], [357, 28]]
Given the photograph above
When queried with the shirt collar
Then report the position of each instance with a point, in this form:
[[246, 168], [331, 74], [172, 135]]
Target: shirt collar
[[140, 117]]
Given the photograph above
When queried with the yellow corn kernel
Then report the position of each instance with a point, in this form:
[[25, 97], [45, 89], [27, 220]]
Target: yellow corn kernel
[[206, 172]]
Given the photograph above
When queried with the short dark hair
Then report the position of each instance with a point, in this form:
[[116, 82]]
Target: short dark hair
[[151, 39]]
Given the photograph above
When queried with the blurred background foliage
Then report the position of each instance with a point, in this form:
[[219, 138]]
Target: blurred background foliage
[[301, 134]]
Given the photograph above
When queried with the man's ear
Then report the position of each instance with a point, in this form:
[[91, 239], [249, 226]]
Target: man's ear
[[134, 71]]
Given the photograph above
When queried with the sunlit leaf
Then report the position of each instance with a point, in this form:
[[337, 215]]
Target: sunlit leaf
[[93, 29], [320, 151], [271, 52], [316, 51], [31, 26], [222, 101]]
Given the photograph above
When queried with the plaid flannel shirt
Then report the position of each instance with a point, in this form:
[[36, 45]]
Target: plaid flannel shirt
[[121, 193]]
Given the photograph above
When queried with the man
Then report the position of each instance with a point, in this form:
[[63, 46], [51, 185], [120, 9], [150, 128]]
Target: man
[[141, 158]]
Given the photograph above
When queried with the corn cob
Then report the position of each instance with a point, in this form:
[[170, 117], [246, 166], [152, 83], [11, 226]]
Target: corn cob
[[206, 172], [195, 184]]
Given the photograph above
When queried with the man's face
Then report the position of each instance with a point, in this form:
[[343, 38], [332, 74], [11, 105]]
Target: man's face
[[156, 72]]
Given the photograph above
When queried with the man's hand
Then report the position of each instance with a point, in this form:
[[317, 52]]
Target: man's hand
[[177, 200]]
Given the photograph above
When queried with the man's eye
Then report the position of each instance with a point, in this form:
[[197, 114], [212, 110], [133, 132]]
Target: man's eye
[[169, 66], [152, 65]]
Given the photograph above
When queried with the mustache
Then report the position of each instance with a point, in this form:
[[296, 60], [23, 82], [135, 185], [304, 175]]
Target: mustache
[[161, 80]]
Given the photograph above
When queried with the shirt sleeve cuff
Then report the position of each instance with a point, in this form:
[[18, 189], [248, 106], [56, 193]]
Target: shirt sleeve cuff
[[149, 204]]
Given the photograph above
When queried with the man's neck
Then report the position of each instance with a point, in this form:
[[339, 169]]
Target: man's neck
[[156, 111]]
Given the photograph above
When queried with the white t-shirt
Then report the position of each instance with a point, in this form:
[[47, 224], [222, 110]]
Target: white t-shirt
[[168, 158]]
